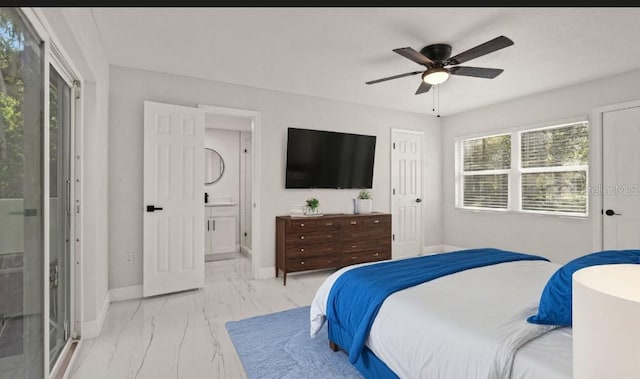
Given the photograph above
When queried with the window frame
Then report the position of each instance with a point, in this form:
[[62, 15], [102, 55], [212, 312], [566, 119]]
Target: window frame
[[460, 173], [515, 173]]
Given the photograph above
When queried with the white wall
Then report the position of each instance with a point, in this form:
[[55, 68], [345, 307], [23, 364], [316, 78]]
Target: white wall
[[75, 29], [558, 238], [278, 111]]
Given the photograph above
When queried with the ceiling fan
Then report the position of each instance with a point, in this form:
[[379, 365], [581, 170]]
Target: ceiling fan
[[437, 57]]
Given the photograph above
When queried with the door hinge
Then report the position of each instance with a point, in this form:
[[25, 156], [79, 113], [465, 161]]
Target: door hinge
[[76, 87], [394, 191], [245, 234], [246, 151], [394, 145], [393, 237]]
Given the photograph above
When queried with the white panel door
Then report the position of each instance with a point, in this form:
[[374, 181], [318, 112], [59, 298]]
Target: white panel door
[[173, 250], [621, 179], [406, 192]]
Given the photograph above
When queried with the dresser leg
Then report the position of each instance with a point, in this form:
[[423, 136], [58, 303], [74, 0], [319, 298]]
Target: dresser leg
[[333, 346], [276, 271], [284, 275]]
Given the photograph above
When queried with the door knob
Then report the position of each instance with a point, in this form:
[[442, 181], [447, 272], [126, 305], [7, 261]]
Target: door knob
[[611, 212], [418, 200], [153, 208]]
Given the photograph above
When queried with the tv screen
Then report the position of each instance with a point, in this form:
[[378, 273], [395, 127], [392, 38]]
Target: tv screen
[[323, 159]]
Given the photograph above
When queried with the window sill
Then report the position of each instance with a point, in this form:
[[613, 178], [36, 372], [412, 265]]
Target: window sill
[[523, 213]]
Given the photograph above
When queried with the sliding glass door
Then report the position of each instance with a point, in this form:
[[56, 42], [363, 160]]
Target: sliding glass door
[[59, 213], [22, 257]]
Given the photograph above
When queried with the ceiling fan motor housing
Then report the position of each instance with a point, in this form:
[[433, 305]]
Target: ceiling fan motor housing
[[438, 52]]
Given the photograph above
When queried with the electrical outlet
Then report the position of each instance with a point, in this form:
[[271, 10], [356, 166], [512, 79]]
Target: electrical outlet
[[128, 256]]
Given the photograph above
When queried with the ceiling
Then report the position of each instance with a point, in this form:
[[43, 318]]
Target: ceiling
[[331, 52]]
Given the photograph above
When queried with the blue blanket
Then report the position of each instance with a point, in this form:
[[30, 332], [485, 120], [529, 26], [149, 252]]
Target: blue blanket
[[357, 295]]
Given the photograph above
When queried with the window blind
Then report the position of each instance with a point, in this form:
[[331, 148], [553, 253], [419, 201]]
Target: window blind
[[554, 164], [486, 162]]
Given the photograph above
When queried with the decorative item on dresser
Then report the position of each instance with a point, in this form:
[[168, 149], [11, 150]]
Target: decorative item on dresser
[[331, 241]]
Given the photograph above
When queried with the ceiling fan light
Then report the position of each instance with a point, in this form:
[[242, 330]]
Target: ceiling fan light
[[435, 76]]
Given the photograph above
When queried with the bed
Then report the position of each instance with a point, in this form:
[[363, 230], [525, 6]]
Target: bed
[[470, 321]]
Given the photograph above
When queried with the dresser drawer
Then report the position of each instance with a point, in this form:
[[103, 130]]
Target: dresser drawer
[[365, 256], [313, 263], [367, 233], [312, 238], [352, 223], [302, 225], [377, 220], [364, 245], [324, 249], [326, 225]]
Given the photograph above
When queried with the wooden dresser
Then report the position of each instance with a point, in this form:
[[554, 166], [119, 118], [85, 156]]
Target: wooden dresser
[[331, 241]]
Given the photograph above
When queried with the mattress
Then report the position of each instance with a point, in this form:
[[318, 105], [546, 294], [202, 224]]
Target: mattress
[[455, 326], [546, 357]]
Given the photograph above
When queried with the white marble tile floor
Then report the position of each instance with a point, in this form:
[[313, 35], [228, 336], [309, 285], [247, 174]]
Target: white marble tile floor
[[183, 335]]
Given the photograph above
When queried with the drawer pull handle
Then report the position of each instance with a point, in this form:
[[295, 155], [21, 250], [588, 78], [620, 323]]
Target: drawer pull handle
[[329, 223], [302, 250], [354, 257], [302, 262], [376, 221], [354, 222], [354, 246], [376, 254], [329, 235], [302, 225], [301, 237]]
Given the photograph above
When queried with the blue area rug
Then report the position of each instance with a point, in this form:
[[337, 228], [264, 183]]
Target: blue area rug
[[278, 345]]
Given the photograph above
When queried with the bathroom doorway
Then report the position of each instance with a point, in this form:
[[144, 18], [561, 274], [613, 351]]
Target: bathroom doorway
[[230, 196]]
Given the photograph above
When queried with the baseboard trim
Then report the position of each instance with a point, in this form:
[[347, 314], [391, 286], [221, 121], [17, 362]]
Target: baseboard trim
[[125, 293], [91, 329], [266, 272], [245, 250], [431, 249], [448, 248]]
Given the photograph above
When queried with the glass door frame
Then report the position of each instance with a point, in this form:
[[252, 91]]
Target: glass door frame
[[56, 57], [57, 64]]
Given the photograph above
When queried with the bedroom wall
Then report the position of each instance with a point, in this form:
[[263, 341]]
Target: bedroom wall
[[558, 238], [75, 31], [278, 110]]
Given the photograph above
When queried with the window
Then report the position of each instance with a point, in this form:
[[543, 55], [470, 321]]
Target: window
[[486, 166], [543, 170]]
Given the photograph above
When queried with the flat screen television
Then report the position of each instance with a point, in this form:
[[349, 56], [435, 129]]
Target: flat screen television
[[324, 159]]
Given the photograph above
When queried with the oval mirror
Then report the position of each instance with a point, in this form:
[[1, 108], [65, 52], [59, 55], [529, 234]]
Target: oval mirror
[[213, 166]]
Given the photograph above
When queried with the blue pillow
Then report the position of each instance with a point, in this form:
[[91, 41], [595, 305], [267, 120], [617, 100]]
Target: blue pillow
[[555, 302]]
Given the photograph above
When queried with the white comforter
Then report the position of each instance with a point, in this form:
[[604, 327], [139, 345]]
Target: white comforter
[[466, 325]]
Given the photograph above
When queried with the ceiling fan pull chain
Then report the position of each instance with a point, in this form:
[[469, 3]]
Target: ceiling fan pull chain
[[438, 89], [433, 100]]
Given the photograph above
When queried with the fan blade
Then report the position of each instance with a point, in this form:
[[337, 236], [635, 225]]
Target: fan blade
[[415, 56], [424, 87], [478, 72], [480, 50], [393, 77]]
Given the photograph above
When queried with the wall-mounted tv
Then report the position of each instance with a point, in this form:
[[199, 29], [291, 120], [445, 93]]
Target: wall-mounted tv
[[324, 159]]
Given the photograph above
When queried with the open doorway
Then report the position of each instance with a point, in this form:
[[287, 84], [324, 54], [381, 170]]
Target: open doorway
[[230, 213]]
